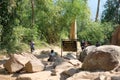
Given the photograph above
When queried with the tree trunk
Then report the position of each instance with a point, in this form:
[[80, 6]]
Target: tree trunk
[[97, 13], [32, 6]]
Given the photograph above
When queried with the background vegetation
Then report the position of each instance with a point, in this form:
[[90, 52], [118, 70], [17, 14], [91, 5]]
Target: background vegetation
[[48, 21]]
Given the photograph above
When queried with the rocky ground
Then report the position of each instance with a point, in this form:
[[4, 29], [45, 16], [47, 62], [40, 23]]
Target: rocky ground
[[66, 67]]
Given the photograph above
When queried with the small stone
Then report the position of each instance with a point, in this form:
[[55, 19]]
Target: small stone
[[53, 72]]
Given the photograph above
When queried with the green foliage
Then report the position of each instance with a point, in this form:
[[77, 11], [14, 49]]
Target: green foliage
[[111, 12], [23, 34], [23, 11], [7, 12], [56, 17], [92, 32], [30, 34], [108, 29], [96, 31]]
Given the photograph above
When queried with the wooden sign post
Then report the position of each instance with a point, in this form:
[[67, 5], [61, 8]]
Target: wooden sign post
[[69, 45]]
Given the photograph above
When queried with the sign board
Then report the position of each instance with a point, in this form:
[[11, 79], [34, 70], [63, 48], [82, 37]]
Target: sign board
[[69, 45]]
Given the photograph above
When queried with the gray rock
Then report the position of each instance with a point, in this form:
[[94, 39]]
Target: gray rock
[[102, 58]]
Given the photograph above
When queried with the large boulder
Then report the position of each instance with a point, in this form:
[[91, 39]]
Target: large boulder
[[105, 57], [19, 61], [15, 63], [12, 65], [34, 66], [85, 52]]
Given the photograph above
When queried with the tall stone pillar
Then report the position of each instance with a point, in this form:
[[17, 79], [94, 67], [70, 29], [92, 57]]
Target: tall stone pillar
[[73, 30]]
